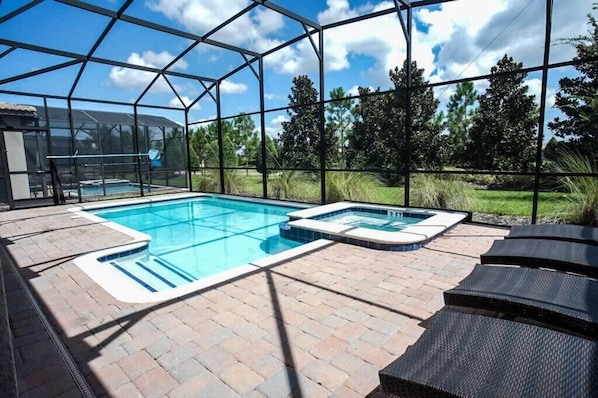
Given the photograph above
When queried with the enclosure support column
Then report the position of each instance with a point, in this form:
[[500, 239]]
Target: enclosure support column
[[57, 194], [136, 149], [323, 143], [263, 130], [72, 127], [188, 143], [101, 158], [165, 146], [541, 116], [407, 30], [220, 140]]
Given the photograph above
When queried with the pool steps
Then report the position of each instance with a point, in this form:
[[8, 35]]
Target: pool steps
[[154, 274]]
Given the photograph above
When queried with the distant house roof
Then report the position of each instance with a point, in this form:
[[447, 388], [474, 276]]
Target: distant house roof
[[103, 117], [16, 109]]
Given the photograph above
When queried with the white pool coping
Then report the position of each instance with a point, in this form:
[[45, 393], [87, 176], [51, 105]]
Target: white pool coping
[[424, 230], [123, 288]]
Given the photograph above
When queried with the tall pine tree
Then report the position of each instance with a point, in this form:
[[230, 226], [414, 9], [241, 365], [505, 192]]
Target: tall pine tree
[[378, 139], [578, 96], [300, 137], [425, 135], [339, 117], [366, 142], [459, 117], [503, 133]]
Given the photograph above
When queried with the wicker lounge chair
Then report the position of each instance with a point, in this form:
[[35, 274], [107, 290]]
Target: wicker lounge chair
[[565, 301], [544, 253], [566, 232], [465, 355]]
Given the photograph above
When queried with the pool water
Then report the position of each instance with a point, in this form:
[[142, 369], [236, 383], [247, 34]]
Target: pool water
[[196, 238], [381, 222], [111, 189]]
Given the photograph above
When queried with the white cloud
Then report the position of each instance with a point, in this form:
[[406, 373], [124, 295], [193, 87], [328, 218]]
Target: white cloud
[[127, 78], [469, 37], [274, 127], [383, 42], [228, 87], [249, 30], [174, 102], [203, 122], [270, 96], [339, 10], [159, 60], [196, 15], [535, 88], [454, 39], [268, 21], [355, 90]]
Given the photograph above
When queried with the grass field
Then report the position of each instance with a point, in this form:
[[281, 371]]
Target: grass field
[[501, 202]]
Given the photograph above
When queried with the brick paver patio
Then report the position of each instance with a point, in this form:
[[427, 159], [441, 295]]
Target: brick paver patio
[[320, 325]]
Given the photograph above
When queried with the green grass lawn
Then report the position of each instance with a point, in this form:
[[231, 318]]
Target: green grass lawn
[[502, 202]]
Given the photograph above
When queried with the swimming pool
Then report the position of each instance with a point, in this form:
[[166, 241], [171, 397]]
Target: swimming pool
[[113, 187], [382, 220], [368, 225], [191, 241]]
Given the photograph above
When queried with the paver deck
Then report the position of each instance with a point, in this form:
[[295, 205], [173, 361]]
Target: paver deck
[[319, 325]]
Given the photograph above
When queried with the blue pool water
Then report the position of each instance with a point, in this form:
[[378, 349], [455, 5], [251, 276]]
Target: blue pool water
[[111, 189], [379, 221], [195, 238]]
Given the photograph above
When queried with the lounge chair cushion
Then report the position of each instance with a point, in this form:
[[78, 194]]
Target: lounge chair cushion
[[467, 355], [542, 253], [565, 301], [566, 232]]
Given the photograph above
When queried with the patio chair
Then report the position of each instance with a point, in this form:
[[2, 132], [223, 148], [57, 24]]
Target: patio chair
[[566, 232], [564, 301], [466, 355], [564, 256]]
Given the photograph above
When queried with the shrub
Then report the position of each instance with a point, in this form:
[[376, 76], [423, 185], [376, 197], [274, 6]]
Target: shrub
[[482, 180], [234, 182], [441, 192], [513, 183], [346, 185], [287, 184], [582, 191]]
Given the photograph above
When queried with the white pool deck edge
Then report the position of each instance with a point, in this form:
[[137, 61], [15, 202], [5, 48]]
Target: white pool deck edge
[[417, 233], [125, 289]]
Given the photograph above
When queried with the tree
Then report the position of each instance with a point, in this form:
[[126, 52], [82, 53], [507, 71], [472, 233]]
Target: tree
[[425, 135], [194, 158], [366, 143], [229, 153], [577, 98], [378, 138], [245, 138], [175, 155], [205, 142], [271, 156], [200, 141], [300, 137], [502, 136], [340, 117], [459, 118]]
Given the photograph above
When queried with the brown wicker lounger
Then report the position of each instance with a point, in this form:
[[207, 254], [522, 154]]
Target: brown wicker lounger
[[465, 355], [565, 301], [579, 258], [566, 232]]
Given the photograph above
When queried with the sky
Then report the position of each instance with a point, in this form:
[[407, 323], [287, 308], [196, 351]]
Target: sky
[[453, 40]]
